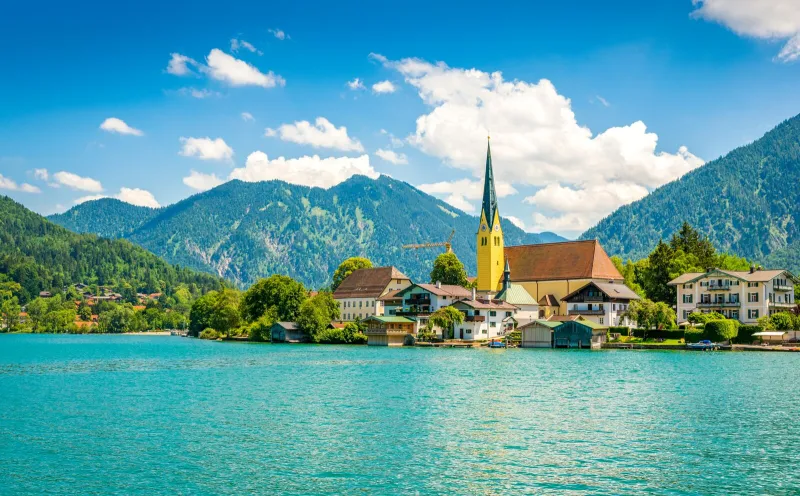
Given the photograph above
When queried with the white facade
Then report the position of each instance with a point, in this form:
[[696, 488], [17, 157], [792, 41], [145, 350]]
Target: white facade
[[606, 313], [745, 296], [483, 320]]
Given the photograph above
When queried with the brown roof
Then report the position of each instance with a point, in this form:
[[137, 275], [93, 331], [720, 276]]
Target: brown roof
[[559, 261], [564, 318], [760, 275], [367, 283], [391, 295], [446, 290], [548, 300], [612, 290]]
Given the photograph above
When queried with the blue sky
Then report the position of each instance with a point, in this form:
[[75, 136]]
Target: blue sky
[[589, 106]]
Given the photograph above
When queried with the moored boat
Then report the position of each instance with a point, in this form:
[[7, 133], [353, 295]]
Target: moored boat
[[703, 345]]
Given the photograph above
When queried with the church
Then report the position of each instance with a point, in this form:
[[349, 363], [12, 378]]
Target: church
[[553, 275]]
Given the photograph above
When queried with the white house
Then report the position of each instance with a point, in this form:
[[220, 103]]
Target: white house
[[602, 302], [483, 319], [419, 301], [359, 294], [743, 295]]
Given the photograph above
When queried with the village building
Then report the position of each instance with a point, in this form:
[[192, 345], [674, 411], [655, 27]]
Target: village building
[[360, 292], [579, 333], [602, 302], [388, 330], [742, 295], [419, 301], [547, 272], [483, 318], [286, 332], [538, 334]]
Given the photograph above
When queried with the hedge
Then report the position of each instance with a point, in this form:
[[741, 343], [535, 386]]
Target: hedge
[[722, 330], [658, 333], [746, 332], [622, 330], [694, 335]]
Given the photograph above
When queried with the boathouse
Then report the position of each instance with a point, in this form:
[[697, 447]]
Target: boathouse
[[388, 330], [538, 334], [579, 334], [286, 332]]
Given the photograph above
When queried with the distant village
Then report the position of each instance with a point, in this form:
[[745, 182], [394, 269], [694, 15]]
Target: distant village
[[567, 294]]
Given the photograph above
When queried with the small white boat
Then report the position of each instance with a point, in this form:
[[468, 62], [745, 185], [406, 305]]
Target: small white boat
[[703, 345]]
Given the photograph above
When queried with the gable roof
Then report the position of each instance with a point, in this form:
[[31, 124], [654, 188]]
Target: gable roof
[[548, 300], [486, 304], [612, 290], [559, 261], [390, 319], [289, 326], [743, 275], [367, 283], [565, 318], [443, 290], [552, 324], [516, 295]]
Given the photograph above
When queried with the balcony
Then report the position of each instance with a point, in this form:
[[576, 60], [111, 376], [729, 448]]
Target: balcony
[[412, 312], [475, 318], [719, 287], [781, 287], [585, 312], [586, 298], [782, 304], [719, 304], [425, 300]]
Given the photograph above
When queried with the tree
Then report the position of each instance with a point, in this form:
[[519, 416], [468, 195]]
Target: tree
[[448, 269], [781, 321], [85, 312], [118, 319], [690, 241], [445, 318], [201, 313], [225, 311], [702, 318], [648, 314], [721, 330], [348, 267], [315, 314], [281, 292], [260, 330]]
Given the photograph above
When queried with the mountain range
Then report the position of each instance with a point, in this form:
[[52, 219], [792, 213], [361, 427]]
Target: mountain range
[[746, 202], [41, 256], [244, 231]]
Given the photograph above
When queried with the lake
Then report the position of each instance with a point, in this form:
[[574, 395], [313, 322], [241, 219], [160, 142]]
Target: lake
[[156, 414]]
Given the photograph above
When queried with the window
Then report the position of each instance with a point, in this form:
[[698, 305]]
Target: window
[[508, 314], [492, 324], [601, 320], [688, 286], [685, 314], [705, 298], [752, 297], [752, 314], [483, 331], [687, 298], [752, 284], [492, 313], [476, 312], [735, 314], [468, 331]]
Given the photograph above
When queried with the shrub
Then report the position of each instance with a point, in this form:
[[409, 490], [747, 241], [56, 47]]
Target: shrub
[[209, 333], [746, 332], [350, 334], [622, 330], [722, 330], [260, 330], [694, 335]]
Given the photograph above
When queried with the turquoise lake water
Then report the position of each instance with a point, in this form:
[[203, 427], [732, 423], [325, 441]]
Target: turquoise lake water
[[168, 415]]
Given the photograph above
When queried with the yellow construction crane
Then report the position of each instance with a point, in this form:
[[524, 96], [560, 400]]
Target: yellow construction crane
[[447, 244]]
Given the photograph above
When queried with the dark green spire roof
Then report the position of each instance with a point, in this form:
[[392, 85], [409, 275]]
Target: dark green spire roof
[[489, 206]]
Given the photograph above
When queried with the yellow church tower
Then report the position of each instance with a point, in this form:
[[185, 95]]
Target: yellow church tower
[[490, 234]]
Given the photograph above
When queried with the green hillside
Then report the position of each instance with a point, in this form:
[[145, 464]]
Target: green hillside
[[107, 217], [42, 256], [746, 202], [245, 231]]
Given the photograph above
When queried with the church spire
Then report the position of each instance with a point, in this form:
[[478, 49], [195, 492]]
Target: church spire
[[489, 206]]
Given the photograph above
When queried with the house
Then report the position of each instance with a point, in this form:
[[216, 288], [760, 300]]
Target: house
[[389, 330], [391, 302], [358, 295], [538, 334], [742, 295], [547, 272], [419, 301], [579, 334], [603, 302], [45, 294], [286, 332], [483, 318]]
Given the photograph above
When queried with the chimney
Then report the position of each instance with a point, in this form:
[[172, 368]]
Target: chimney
[[473, 293], [752, 269], [439, 284]]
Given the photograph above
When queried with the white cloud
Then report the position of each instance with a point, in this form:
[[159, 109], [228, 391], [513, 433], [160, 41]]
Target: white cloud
[[394, 140], [603, 101], [536, 138], [179, 65], [236, 44], [134, 196], [11, 185], [206, 148], [384, 87], [776, 20], [392, 156], [114, 125], [280, 34], [76, 182], [41, 174], [465, 194], [356, 84], [323, 134], [247, 116], [202, 182], [306, 170], [139, 197], [235, 72], [378, 58], [198, 93]]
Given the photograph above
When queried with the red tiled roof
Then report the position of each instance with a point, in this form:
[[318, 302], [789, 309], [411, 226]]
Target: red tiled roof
[[446, 290], [548, 300], [564, 318], [559, 261], [367, 283], [391, 295]]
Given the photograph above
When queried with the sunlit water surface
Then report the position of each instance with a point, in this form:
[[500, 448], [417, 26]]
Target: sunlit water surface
[[152, 415]]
